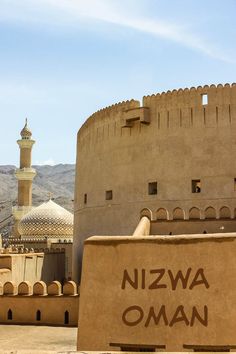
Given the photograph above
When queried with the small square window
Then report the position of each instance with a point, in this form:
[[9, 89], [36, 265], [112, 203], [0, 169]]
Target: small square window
[[85, 198], [109, 195], [196, 186], [152, 188], [204, 99]]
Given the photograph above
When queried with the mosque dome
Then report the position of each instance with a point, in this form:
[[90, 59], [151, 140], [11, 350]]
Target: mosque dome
[[48, 219], [25, 132]]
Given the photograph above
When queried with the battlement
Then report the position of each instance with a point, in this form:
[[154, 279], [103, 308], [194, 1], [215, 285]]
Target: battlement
[[40, 288], [218, 94], [198, 89], [113, 109], [209, 105], [39, 304], [23, 250]]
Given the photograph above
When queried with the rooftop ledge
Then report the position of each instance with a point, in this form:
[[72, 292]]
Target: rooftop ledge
[[194, 238]]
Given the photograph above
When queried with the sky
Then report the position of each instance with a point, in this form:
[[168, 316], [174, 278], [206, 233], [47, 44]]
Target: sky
[[62, 60]]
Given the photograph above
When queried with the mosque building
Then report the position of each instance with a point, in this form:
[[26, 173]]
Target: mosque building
[[47, 228]]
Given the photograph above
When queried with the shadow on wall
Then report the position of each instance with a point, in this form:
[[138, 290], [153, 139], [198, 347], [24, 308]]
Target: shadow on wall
[[191, 221]]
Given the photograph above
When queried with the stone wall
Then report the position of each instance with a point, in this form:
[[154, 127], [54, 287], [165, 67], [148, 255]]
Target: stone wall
[[39, 304], [162, 293], [45, 265], [176, 138]]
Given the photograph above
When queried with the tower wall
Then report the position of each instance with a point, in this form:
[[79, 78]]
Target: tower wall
[[24, 193], [180, 139], [25, 157]]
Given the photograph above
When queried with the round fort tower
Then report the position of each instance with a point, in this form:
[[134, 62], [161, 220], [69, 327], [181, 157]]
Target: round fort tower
[[171, 159]]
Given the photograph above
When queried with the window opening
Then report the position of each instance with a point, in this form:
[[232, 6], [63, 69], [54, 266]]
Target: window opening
[[66, 317], [109, 195], [204, 99], [85, 198], [152, 188], [9, 314], [38, 315], [196, 186]]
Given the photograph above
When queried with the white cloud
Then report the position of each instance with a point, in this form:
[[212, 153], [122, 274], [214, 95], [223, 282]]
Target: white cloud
[[72, 12]]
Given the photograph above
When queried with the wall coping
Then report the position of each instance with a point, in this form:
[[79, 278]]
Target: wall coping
[[162, 239]]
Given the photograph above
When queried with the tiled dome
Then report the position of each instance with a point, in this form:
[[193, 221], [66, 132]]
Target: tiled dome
[[48, 219]]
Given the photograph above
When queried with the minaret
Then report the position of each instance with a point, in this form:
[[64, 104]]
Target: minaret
[[25, 175]]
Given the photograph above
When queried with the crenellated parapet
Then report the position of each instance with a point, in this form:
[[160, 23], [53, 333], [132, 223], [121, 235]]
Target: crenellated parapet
[[110, 110], [192, 97], [106, 121], [40, 288], [209, 105], [39, 304]]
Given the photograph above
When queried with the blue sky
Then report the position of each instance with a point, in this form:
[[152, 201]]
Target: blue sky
[[61, 60]]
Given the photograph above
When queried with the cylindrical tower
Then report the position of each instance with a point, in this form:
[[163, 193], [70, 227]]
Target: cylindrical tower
[[172, 159], [25, 175]]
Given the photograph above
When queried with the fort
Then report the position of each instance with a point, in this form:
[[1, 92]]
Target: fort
[[171, 159], [156, 184], [154, 229]]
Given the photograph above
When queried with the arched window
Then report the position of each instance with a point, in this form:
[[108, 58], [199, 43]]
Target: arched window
[[9, 314], [66, 317], [38, 315]]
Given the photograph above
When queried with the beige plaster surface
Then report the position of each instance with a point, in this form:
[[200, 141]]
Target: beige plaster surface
[[130, 309], [36, 339], [185, 140]]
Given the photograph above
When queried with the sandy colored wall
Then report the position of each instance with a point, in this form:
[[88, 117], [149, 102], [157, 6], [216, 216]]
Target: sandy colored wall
[[52, 310], [24, 193], [33, 267], [53, 302], [25, 157], [179, 227], [67, 247], [185, 140], [174, 292]]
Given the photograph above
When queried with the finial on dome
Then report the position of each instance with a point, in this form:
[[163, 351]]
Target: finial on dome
[[26, 133], [50, 195]]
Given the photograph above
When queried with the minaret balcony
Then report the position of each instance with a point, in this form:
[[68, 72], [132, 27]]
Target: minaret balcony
[[26, 143], [25, 174]]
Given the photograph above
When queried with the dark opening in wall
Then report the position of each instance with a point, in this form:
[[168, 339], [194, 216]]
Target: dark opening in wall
[[109, 195], [85, 198], [152, 188], [235, 184], [196, 186], [209, 348], [9, 314], [38, 315], [66, 317], [139, 350], [145, 348], [204, 99]]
